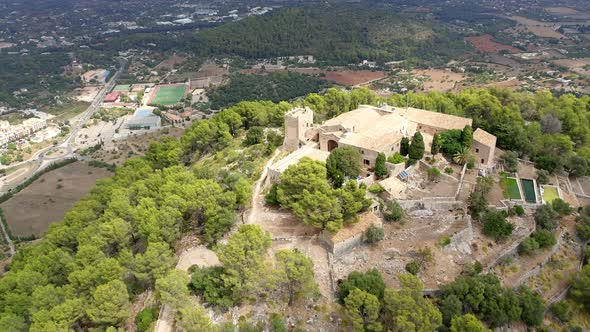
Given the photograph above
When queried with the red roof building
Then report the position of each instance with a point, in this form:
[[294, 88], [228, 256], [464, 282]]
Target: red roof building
[[111, 97]]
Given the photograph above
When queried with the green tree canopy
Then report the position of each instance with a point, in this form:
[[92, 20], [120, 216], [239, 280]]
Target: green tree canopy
[[344, 161]]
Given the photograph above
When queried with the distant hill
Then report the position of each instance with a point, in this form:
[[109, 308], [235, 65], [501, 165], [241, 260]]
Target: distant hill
[[339, 34]]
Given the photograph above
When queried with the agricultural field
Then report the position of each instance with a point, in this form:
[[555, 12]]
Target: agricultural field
[[486, 44], [580, 66], [354, 77], [439, 80], [567, 12], [168, 94], [31, 211], [538, 28]]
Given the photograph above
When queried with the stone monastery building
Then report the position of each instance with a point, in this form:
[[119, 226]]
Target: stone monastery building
[[373, 130]]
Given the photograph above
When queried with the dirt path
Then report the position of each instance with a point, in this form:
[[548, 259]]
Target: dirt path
[[257, 199], [204, 257], [200, 256]]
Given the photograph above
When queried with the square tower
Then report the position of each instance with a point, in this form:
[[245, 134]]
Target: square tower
[[297, 122]]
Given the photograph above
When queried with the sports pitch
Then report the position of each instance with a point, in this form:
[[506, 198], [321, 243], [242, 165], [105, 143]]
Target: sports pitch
[[168, 95]]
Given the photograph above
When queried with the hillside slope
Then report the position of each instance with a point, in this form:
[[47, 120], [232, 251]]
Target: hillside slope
[[343, 34]]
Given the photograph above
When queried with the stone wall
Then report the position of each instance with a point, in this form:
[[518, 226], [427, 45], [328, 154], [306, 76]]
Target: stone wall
[[432, 203]]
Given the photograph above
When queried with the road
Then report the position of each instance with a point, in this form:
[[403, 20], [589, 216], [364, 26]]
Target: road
[[41, 157]]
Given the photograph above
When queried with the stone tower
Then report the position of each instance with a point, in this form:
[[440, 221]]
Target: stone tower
[[297, 122]]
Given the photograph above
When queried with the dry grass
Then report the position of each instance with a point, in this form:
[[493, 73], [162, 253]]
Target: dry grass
[[541, 29], [46, 200]]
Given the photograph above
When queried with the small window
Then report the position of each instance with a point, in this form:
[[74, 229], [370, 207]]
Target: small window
[[363, 151], [366, 162], [482, 161], [476, 150]]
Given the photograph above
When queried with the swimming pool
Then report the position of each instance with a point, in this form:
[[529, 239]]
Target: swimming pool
[[528, 186]]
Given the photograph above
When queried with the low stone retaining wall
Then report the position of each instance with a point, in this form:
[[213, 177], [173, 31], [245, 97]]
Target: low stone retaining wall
[[443, 203]]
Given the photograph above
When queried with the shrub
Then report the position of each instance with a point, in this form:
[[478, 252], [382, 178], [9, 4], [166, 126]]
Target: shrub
[[277, 322], [496, 226], [528, 246], [144, 319], [374, 234], [562, 311], [397, 158], [413, 267], [544, 238], [542, 176], [376, 188], [562, 207], [449, 170], [546, 217], [271, 197], [519, 210], [474, 269], [393, 211], [433, 173], [444, 241], [470, 164]]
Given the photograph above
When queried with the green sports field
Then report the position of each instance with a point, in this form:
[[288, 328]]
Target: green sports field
[[122, 88], [168, 95]]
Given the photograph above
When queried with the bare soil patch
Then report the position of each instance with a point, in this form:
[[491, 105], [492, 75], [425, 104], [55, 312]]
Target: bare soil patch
[[354, 77], [400, 246], [133, 145], [87, 93], [541, 29], [575, 65], [211, 69], [171, 62], [567, 12], [46, 200], [486, 44], [439, 80]]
